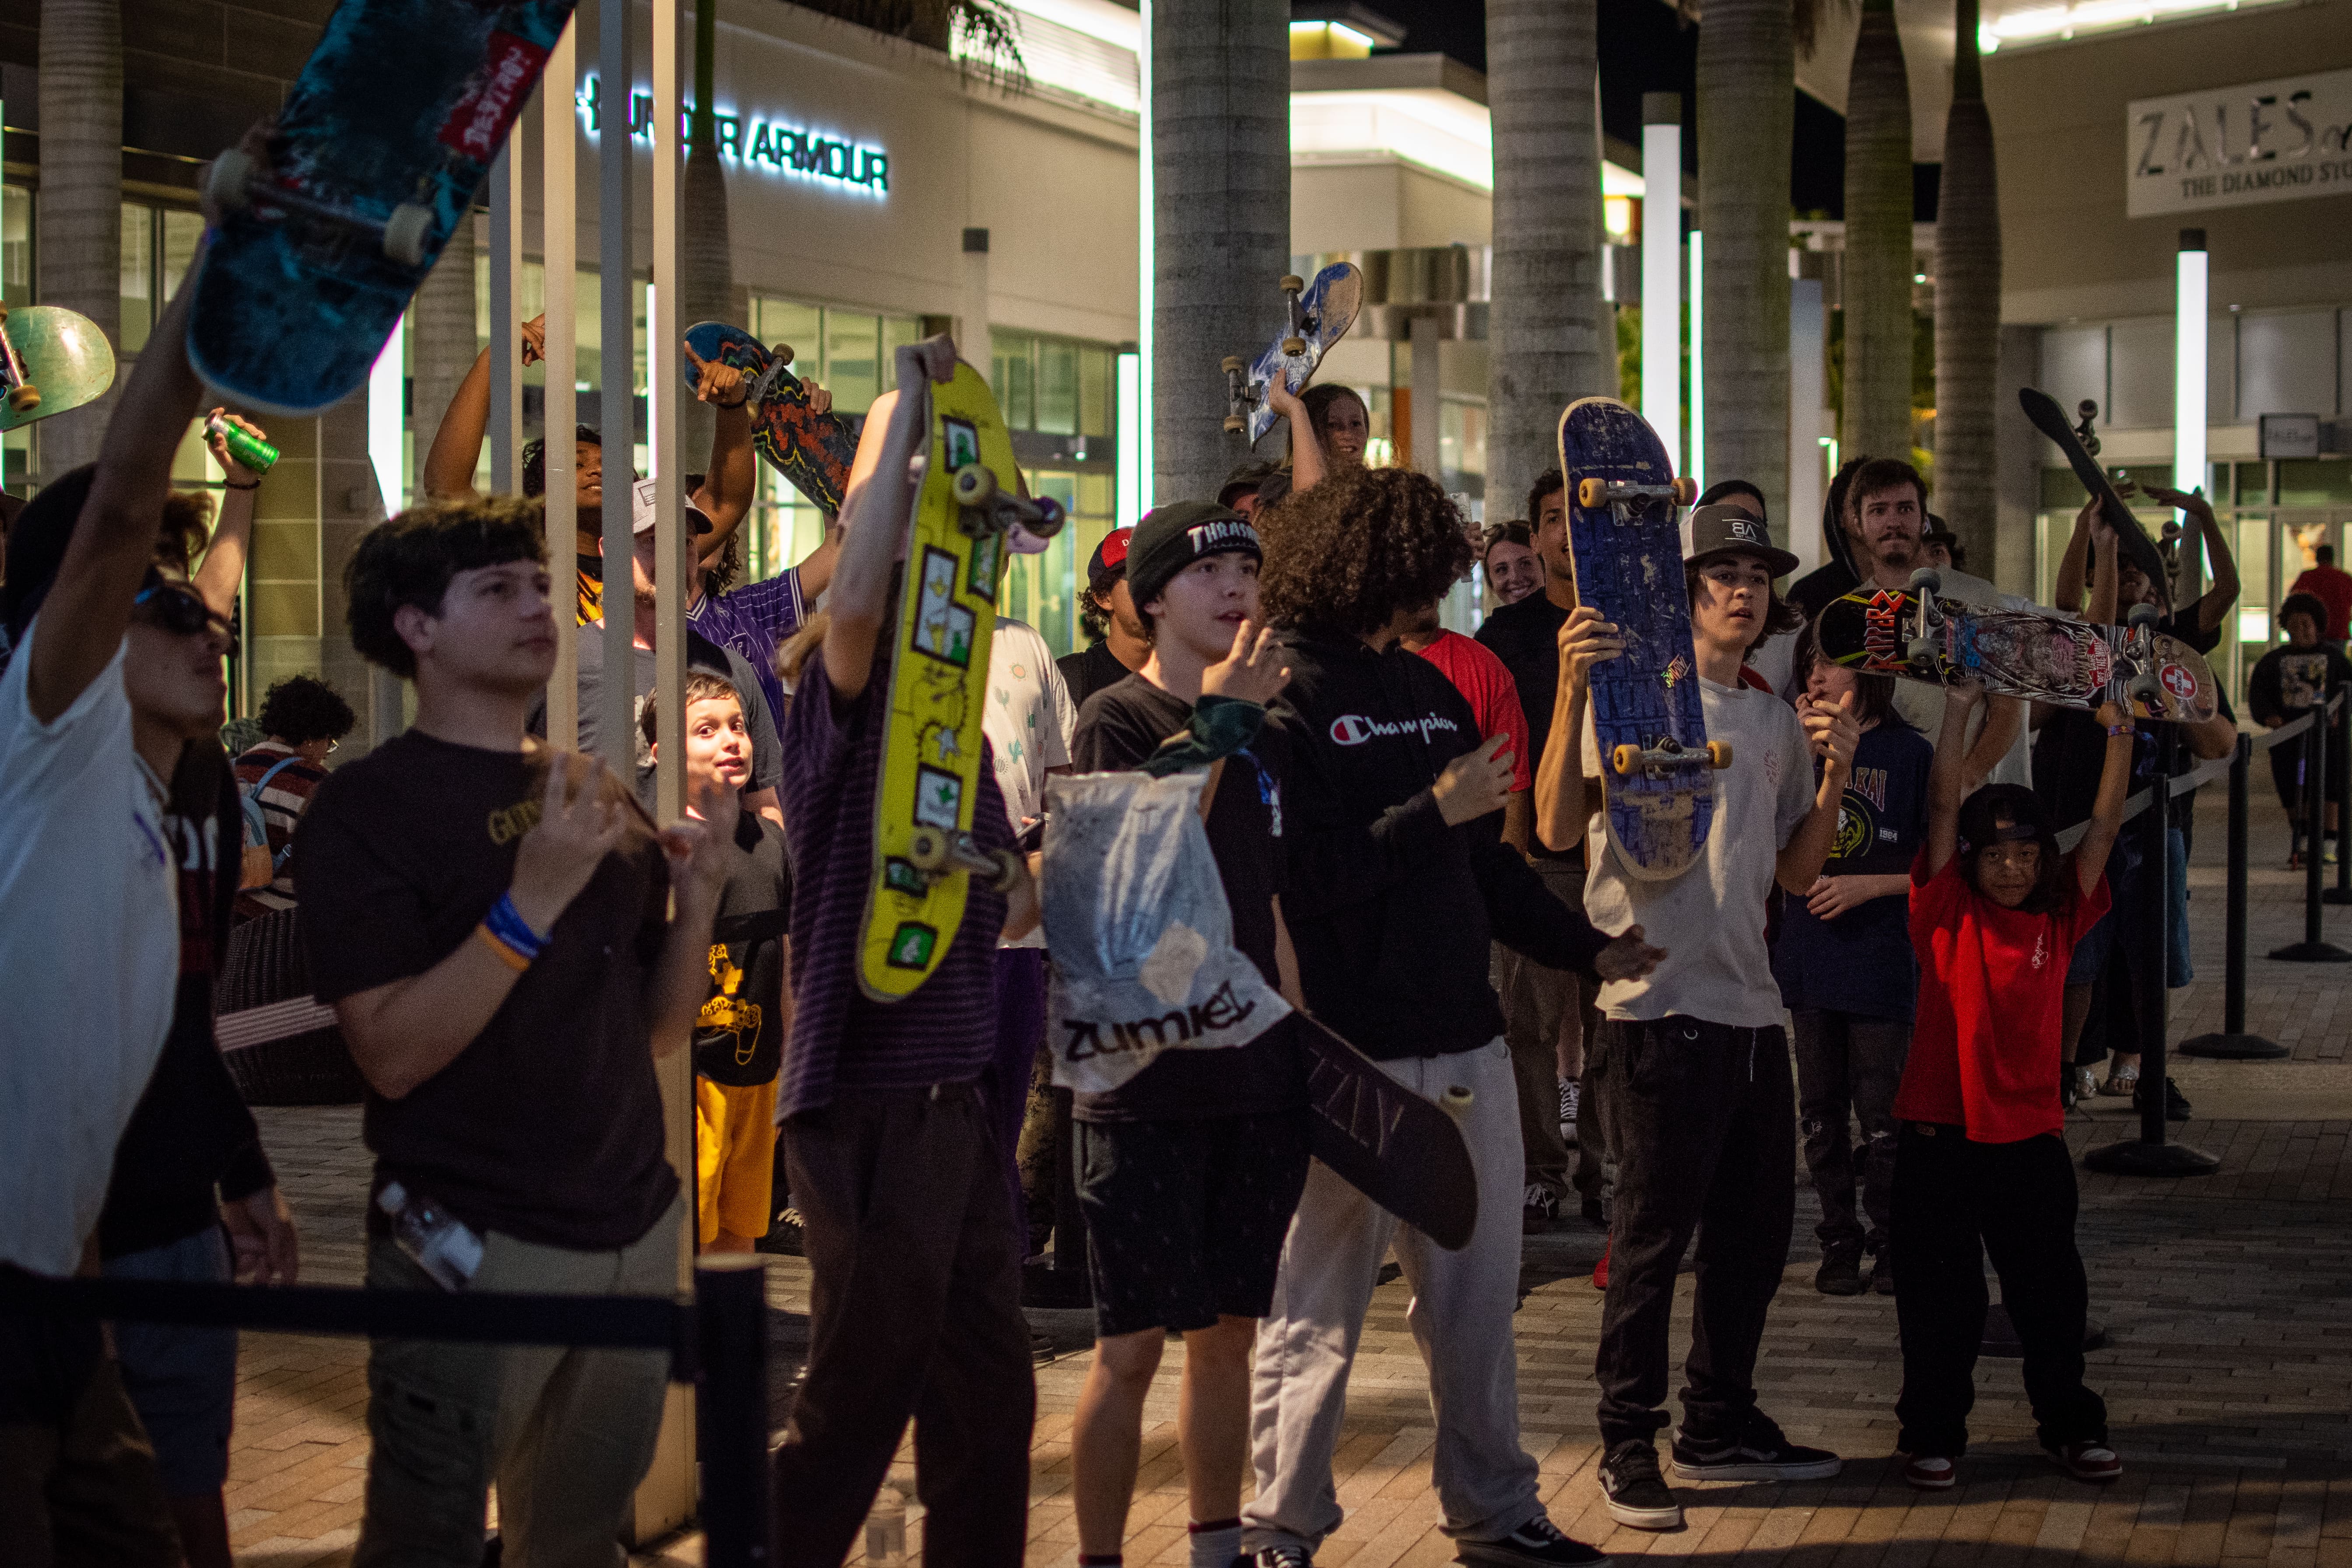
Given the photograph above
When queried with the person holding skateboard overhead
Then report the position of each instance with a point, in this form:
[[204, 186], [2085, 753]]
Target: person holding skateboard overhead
[[906, 1223], [1692, 1057], [1397, 876]]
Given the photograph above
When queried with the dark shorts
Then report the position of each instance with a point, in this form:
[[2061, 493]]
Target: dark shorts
[[182, 1380], [1187, 1219]]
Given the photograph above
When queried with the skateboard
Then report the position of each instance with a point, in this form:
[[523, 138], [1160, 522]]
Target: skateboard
[[924, 857], [1320, 315], [1625, 538], [2080, 444], [51, 361], [813, 450], [1404, 1152], [1914, 634], [324, 229]]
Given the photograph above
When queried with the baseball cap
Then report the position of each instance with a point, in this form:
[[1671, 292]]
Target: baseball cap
[[1938, 532], [1246, 477], [1107, 565], [1728, 530], [641, 510], [1172, 537]]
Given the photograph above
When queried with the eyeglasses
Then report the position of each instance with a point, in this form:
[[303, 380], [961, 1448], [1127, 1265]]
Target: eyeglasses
[[179, 609]]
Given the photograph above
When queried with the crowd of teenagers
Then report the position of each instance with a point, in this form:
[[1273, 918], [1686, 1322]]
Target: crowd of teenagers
[[1408, 838]]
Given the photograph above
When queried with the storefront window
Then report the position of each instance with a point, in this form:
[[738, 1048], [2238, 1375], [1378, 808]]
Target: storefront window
[[852, 344], [1015, 377], [1057, 387], [15, 288], [138, 291]]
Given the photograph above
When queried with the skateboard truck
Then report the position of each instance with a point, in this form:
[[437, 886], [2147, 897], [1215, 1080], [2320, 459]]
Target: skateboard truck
[[237, 182], [975, 489], [1239, 398], [1592, 493], [1302, 325], [937, 853], [1667, 753], [23, 395], [2085, 412]]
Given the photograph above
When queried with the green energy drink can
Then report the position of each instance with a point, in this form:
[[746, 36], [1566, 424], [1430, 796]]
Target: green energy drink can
[[252, 451]]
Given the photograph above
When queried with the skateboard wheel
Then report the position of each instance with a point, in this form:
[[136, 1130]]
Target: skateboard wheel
[[1049, 519], [1591, 493], [1458, 1099], [1685, 490], [1719, 755], [781, 353], [1235, 364], [1920, 650], [405, 232], [974, 485], [928, 849], [1236, 424], [225, 183], [1292, 283], [23, 399], [2141, 616], [1625, 759], [1294, 345], [1926, 580], [2145, 690]]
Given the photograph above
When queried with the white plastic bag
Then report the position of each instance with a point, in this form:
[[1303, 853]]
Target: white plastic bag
[[1142, 941]]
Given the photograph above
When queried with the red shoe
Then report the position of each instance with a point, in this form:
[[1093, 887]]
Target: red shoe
[[1930, 1474], [2087, 1461], [1601, 1269]]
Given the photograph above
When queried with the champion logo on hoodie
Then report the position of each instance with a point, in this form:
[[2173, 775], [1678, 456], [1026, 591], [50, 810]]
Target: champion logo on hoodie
[[1354, 729]]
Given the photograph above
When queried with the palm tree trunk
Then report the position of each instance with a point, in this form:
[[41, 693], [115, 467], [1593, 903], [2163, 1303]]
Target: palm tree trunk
[[80, 227], [1747, 120], [1221, 217], [1550, 340], [706, 257], [1967, 304], [1877, 419]]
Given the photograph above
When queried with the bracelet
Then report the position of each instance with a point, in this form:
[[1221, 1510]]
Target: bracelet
[[2114, 730], [506, 923], [233, 484], [507, 955]]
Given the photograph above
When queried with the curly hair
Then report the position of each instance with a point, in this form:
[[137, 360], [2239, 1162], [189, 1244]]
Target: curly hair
[[411, 558], [1549, 483], [184, 529], [1094, 615], [302, 708], [1348, 554], [534, 457]]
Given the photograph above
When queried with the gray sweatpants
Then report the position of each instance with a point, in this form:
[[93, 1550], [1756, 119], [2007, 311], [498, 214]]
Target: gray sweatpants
[[1461, 1319]]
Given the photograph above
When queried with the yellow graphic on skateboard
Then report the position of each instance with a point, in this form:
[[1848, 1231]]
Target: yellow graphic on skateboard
[[923, 860]]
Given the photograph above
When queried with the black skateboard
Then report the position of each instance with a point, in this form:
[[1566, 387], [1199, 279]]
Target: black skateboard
[[1404, 1152], [2080, 447]]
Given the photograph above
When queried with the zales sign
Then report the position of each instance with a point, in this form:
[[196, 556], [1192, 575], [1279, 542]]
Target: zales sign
[[2226, 147]]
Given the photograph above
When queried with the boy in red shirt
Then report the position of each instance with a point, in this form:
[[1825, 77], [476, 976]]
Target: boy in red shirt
[[1981, 1166]]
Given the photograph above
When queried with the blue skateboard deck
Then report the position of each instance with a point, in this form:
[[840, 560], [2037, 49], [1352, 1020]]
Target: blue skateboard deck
[[1627, 547], [814, 451], [323, 230], [1319, 317]]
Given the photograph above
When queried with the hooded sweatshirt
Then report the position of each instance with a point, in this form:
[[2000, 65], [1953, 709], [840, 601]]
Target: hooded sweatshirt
[[1390, 911]]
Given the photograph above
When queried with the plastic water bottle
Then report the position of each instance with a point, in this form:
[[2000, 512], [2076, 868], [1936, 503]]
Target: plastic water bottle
[[434, 1239], [255, 454], [885, 1529]]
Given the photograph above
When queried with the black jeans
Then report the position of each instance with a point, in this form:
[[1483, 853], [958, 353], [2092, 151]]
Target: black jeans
[[1703, 1126], [1955, 1203], [914, 1312], [1847, 1062]]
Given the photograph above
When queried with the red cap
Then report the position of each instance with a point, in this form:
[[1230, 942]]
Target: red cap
[[1109, 561]]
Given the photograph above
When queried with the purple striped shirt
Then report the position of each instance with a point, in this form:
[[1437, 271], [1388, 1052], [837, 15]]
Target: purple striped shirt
[[755, 620], [946, 1031]]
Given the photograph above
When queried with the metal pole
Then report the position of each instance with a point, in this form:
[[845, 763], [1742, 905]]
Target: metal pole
[[665, 330], [559, 246], [2312, 949], [2233, 1044], [732, 1410], [617, 369], [2324, 737], [506, 316]]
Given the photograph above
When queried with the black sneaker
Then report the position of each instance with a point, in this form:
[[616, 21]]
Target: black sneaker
[[1761, 1453], [1840, 1273], [784, 1239], [1637, 1494], [1539, 1213], [1275, 1557], [1882, 1274], [2175, 1104], [1538, 1541]]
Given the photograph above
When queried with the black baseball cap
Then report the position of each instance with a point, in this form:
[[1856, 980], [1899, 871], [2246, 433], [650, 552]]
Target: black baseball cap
[[1172, 537], [1938, 532], [1246, 478], [1728, 530]]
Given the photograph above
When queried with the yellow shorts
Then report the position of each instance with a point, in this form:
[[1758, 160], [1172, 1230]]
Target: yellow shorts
[[734, 1157]]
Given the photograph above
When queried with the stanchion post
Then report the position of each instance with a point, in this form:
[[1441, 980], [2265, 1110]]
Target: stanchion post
[[2233, 1044], [731, 1407], [2342, 892], [2313, 948]]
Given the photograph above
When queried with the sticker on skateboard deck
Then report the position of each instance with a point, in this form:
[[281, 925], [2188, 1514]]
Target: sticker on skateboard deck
[[1914, 634], [1319, 315], [946, 610], [320, 239], [52, 361], [1403, 1151], [2080, 446], [1625, 538], [812, 450]]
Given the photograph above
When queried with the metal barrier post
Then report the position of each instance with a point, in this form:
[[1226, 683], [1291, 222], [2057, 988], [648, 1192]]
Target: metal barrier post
[[731, 1403], [2149, 1155], [2233, 1044], [2342, 892], [2313, 948]]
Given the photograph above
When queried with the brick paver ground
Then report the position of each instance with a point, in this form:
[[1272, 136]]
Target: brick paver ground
[[2227, 1369]]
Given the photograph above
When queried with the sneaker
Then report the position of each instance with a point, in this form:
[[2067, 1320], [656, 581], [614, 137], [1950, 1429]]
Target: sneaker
[[1882, 1274], [1571, 1099], [1538, 1541], [1841, 1272], [1637, 1494], [2327, 852], [1275, 1557], [784, 1239], [2175, 1104], [1761, 1453], [1927, 1474], [1540, 1211], [2087, 1461], [1601, 1269]]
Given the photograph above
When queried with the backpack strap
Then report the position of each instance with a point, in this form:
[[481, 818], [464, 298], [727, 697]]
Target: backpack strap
[[255, 822]]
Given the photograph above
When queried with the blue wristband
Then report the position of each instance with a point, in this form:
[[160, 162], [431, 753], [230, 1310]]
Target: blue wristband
[[506, 923]]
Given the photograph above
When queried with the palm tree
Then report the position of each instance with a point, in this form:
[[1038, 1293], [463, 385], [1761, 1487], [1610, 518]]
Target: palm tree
[[1967, 303], [706, 257], [80, 224], [1876, 416], [1221, 217], [1548, 338]]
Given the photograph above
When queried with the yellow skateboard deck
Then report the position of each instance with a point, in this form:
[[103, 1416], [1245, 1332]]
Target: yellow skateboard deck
[[938, 678]]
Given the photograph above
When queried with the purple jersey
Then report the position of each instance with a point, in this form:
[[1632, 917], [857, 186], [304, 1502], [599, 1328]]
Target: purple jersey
[[754, 620]]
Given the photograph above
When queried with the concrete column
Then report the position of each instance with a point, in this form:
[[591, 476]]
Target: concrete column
[[1662, 269], [1803, 525], [1427, 398], [79, 228]]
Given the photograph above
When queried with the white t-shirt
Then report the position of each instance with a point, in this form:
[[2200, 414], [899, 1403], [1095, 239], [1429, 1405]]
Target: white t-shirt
[[1028, 721], [1923, 704], [89, 958], [1710, 920]]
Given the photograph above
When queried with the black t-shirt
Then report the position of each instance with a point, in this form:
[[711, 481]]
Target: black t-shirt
[[1526, 637], [2289, 682], [739, 1039], [547, 1125], [1118, 728], [1861, 961], [1090, 671], [1820, 588]]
